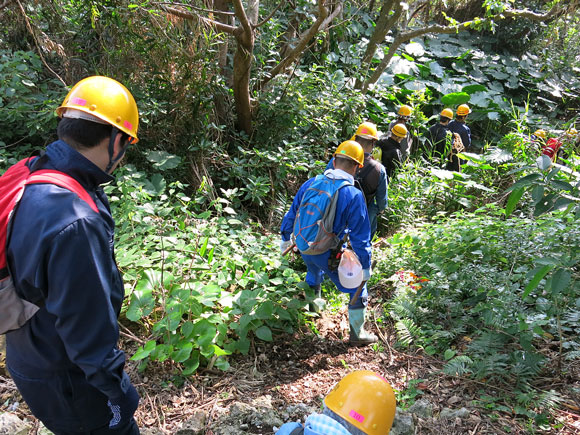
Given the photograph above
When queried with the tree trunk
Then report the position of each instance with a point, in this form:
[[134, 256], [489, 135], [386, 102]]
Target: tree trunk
[[220, 100], [384, 24], [243, 67]]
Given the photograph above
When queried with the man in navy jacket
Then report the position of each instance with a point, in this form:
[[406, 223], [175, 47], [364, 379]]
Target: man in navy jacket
[[64, 360]]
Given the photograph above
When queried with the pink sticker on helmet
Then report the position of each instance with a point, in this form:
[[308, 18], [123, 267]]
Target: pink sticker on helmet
[[364, 131], [128, 125], [78, 101], [356, 416]]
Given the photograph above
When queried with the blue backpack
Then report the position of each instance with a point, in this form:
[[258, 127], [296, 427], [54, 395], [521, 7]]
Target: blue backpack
[[315, 217]]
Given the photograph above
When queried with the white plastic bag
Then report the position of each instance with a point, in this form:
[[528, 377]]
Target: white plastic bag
[[350, 273]]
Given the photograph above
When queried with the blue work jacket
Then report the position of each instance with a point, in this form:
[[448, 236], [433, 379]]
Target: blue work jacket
[[351, 214], [61, 257]]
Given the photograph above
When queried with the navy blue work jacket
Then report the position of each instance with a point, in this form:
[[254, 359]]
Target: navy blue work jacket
[[60, 255], [463, 130]]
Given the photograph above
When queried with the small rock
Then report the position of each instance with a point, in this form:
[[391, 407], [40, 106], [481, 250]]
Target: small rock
[[421, 408], [10, 424], [42, 430], [194, 425], [150, 431], [403, 424], [451, 414]]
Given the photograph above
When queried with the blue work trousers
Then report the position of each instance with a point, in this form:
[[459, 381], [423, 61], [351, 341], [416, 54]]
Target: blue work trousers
[[68, 405], [317, 267]]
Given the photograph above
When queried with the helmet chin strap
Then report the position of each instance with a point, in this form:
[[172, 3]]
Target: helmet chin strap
[[113, 161]]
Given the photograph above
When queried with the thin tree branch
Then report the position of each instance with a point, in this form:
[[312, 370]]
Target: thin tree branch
[[300, 46], [193, 16], [241, 15], [439, 29], [6, 3], [31, 30], [209, 11], [265, 20], [331, 17]]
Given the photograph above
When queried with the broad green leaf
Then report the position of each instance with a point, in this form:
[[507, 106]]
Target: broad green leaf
[[524, 181], [537, 193], [163, 160], [513, 200], [540, 273], [141, 305], [560, 280], [561, 185], [471, 89], [264, 333], [187, 329], [265, 310], [455, 98], [144, 351], [449, 353], [191, 364], [182, 352]]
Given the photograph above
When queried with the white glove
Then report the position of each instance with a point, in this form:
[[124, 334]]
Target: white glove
[[285, 244]]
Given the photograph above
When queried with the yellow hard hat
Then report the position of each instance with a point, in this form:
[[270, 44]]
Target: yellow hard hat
[[368, 130], [448, 113], [365, 400], [102, 99], [572, 132], [540, 133], [399, 130], [463, 110], [405, 110], [352, 150]]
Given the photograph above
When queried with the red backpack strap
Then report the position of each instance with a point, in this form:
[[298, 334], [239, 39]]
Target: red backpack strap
[[63, 180]]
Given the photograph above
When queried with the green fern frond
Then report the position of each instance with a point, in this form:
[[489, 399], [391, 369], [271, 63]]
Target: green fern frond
[[549, 399], [407, 331], [575, 354], [458, 366], [491, 366], [488, 342]]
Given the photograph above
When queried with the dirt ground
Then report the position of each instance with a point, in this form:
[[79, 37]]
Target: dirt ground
[[302, 368]]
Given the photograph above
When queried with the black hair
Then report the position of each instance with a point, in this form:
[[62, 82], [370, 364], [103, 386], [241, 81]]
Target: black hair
[[364, 141], [345, 162], [81, 133], [444, 119]]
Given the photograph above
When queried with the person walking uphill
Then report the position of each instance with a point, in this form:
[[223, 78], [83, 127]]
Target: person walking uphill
[[372, 177], [351, 217], [65, 360]]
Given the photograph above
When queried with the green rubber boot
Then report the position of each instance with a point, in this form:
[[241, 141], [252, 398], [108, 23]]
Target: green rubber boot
[[313, 307], [358, 335]]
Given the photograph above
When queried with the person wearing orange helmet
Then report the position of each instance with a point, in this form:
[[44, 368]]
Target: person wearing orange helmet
[[391, 149], [403, 117], [437, 137], [65, 360], [308, 225], [459, 126], [372, 177], [361, 403]]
